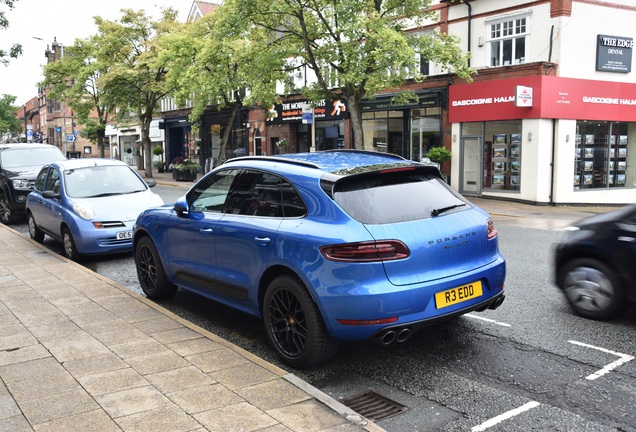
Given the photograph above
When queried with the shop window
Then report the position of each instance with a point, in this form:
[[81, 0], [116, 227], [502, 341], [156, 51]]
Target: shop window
[[502, 155], [602, 155], [383, 131], [507, 41], [425, 131]]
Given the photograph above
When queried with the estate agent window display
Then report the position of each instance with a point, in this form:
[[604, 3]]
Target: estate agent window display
[[603, 156]]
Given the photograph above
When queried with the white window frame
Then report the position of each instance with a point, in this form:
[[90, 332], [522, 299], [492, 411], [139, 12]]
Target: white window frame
[[508, 29]]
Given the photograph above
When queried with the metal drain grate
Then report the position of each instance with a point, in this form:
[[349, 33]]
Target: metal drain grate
[[374, 406]]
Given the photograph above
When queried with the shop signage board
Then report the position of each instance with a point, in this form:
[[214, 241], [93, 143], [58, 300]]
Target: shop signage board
[[614, 53], [554, 97], [293, 111]]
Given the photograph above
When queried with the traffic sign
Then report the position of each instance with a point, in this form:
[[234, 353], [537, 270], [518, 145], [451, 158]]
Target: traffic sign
[[70, 138]]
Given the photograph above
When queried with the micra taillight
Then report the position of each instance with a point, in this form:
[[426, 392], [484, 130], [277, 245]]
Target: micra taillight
[[491, 231], [383, 250]]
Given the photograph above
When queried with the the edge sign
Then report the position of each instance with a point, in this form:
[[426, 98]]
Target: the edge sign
[[614, 53]]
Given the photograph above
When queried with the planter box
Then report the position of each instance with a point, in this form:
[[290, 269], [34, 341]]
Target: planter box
[[184, 175]]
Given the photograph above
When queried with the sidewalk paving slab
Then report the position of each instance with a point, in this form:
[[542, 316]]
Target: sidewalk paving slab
[[78, 352]]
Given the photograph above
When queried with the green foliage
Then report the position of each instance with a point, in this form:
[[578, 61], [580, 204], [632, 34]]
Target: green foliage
[[212, 60], [74, 78], [439, 155], [135, 80], [14, 50], [8, 121], [157, 150], [365, 44]]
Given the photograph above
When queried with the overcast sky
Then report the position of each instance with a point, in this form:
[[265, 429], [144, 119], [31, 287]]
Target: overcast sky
[[65, 20]]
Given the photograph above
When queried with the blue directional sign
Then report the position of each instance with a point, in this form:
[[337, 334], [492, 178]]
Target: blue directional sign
[[70, 138]]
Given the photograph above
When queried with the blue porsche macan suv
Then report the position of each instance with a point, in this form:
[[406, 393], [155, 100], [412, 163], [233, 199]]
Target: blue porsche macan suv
[[325, 247]]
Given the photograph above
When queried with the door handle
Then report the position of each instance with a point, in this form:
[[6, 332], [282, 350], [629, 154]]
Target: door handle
[[206, 230], [263, 240]]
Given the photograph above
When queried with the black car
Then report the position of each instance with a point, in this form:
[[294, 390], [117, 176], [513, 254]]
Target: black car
[[595, 264], [19, 165]]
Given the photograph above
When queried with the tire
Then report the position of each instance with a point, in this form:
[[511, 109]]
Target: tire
[[592, 289], [294, 326], [70, 250], [152, 277], [7, 216], [35, 232]]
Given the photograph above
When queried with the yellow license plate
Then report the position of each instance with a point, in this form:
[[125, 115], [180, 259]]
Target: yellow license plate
[[458, 295]]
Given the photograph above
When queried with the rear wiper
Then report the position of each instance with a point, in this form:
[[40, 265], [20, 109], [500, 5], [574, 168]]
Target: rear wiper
[[439, 211]]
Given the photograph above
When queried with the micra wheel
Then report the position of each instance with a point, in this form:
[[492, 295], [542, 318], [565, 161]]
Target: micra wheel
[[35, 232], [592, 288], [294, 326], [152, 277], [70, 251], [7, 216]]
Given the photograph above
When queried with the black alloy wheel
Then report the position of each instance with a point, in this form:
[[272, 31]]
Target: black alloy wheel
[[152, 277], [294, 326], [592, 288], [35, 232]]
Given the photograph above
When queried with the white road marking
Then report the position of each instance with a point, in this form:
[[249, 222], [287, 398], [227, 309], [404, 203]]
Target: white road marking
[[488, 320], [505, 416], [624, 358]]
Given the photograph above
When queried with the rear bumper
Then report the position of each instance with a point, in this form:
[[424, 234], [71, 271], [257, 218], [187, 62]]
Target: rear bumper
[[399, 333], [411, 306]]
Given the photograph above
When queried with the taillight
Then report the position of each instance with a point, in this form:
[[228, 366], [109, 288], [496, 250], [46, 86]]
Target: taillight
[[491, 231], [383, 250]]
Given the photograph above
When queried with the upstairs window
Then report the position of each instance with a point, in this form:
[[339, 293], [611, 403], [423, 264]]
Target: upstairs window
[[508, 41]]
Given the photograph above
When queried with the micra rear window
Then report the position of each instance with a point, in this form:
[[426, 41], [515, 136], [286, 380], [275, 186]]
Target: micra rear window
[[389, 197]]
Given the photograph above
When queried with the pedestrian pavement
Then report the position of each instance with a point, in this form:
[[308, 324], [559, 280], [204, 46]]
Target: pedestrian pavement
[[79, 352]]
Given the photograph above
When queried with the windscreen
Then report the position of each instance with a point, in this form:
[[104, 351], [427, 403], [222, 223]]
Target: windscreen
[[391, 197], [23, 157], [99, 181]]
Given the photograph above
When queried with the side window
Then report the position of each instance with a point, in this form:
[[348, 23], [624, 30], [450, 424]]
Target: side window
[[210, 194], [53, 181], [256, 193], [39, 181], [293, 205]]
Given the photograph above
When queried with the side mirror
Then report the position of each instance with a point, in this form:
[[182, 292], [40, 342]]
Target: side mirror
[[151, 183], [181, 206], [50, 194]]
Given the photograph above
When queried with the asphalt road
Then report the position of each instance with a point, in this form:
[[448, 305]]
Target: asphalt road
[[530, 365]]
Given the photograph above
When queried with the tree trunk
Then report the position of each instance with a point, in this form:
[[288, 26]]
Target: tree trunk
[[101, 138], [146, 146], [226, 135], [356, 122]]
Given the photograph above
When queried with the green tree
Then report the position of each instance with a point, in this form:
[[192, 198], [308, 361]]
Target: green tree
[[136, 80], [16, 49], [75, 79], [9, 123], [213, 60], [363, 42]]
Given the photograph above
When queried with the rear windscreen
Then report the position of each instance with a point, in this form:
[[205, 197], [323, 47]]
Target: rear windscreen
[[384, 198]]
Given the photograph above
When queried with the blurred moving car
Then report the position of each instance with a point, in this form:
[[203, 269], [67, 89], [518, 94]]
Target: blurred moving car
[[325, 247], [595, 264], [19, 165], [89, 204]]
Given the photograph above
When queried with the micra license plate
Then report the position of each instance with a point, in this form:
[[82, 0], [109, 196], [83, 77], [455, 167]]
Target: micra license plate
[[124, 235], [458, 294]]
